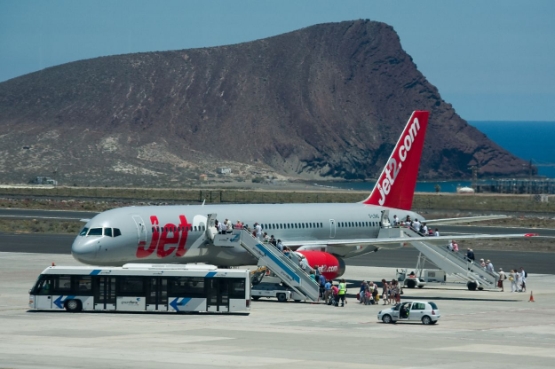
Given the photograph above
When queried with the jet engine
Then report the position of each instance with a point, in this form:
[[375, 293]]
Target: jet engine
[[332, 266]]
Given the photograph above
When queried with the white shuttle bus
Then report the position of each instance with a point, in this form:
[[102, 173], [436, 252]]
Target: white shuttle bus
[[142, 287]]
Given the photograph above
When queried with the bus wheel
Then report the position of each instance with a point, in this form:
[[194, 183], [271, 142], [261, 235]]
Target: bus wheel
[[411, 283], [281, 297], [472, 286], [73, 306], [255, 298]]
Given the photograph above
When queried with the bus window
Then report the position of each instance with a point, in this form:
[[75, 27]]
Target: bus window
[[82, 285], [187, 287], [237, 288], [130, 286], [62, 284], [43, 286]]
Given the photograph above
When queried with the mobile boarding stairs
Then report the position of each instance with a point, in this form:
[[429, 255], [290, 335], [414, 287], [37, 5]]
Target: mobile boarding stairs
[[286, 269], [451, 262]]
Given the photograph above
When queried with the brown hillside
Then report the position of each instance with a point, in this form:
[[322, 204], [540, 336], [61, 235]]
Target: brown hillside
[[328, 100]]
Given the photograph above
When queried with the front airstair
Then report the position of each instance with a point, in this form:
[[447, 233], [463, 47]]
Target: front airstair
[[269, 256], [452, 262]]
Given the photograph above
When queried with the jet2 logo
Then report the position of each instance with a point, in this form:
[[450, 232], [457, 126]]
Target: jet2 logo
[[166, 239], [395, 163]]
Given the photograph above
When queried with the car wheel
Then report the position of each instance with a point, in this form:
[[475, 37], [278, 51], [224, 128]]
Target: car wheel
[[426, 320], [411, 283], [472, 286], [281, 297], [73, 306], [255, 298], [433, 322], [387, 319], [421, 286]]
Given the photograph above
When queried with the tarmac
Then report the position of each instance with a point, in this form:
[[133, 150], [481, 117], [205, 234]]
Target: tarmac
[[477, 329]]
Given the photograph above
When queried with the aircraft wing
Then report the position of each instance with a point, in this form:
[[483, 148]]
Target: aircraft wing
[[441, 240], [464, 219]]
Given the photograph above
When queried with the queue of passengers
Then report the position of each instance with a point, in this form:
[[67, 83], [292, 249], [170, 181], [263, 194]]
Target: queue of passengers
[[416, 226]]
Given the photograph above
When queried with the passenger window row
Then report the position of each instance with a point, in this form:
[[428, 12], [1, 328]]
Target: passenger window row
[[178, 229], [291, 225], [357, 224]]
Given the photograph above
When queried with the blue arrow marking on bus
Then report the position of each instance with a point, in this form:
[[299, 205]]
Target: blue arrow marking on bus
[[59, 302], [175, 303], [211, 274], [95, 272], [291, 273]]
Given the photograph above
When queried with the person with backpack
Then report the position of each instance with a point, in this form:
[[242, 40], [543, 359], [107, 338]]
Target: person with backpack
[[335, 294]]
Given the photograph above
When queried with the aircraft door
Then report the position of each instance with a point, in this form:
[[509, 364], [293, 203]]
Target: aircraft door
[[141, 230], [384, 221], [157, 294], [217, 294], [332, 228], [104, 291]]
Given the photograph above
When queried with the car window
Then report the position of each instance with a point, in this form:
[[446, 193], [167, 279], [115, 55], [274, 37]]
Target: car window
[[433, 305], [418, 306]]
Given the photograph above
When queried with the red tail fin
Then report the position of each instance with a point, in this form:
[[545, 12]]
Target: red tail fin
[[395, 186]]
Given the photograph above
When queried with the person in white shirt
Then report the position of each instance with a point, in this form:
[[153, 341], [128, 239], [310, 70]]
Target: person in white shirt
[[395, 221], [489, 266], [416, 225], [425, 229], [523, 279], [451, 245], [436, 233], [258, 229]]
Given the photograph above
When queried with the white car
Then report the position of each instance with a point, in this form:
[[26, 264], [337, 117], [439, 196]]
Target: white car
[[412, 311]]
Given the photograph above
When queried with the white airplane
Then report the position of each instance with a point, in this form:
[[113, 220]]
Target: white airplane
[[324, 233]]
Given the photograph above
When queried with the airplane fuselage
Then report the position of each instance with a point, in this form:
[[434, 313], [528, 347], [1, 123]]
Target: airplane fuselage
[[177, 234]]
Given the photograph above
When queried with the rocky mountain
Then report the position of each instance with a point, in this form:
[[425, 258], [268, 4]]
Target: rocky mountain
[[325, 101]]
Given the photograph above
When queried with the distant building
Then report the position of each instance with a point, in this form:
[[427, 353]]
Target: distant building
[[44, 181], [203, 177], [223, 170]]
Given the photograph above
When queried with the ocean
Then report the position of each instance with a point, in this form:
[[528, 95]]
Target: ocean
[[527, 140]]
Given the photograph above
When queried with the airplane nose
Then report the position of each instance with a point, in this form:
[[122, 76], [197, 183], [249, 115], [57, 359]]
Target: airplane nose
[[84, 250]]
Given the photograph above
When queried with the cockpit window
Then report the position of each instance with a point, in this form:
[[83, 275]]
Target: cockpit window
[[108, 232], [117, 232], [95, 232], [83, 232]]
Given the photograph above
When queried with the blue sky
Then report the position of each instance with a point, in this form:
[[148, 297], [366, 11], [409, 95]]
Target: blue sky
[[493, 60]]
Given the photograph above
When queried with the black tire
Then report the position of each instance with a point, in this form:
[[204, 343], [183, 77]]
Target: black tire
[[255, 298], [426, 320], [472, 286], [387, 319], [411, 283], [281, 297], [433, 322], [73, 306], [421, 286]]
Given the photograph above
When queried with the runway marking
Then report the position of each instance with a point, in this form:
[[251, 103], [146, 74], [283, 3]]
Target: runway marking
[[503, 350]]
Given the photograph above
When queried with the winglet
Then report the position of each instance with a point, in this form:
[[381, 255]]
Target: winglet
[[396, 184]]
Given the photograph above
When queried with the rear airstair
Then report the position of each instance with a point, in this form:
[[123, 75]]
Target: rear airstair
[[453, 262], [269, 256]]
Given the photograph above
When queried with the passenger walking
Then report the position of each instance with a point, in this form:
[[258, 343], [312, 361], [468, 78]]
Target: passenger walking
[[279, 245], [362, 293], [436, 233], [258, 230], [385, 292], [395, 221], [455, 247], [228, 226], [273, 240], [502, 277], [489, 267], [322, 285], [238, 225], [518, 281], [523, 276], [483, 264], [513, 280], [327, 294], [335, 294], [470, 255]]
